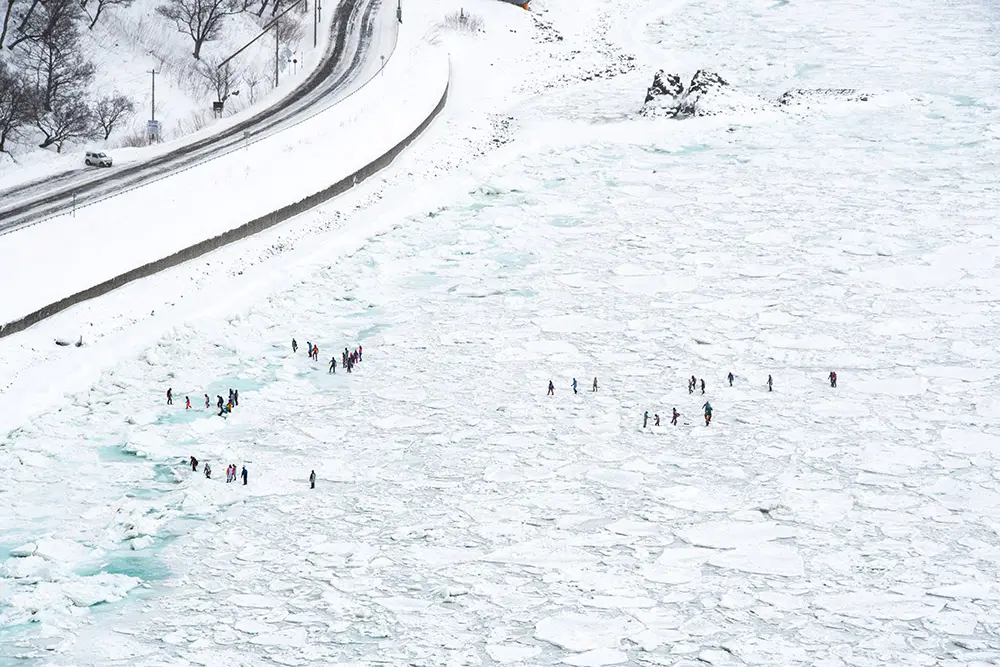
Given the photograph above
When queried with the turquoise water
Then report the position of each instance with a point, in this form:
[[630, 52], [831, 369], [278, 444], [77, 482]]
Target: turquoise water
[[140, 564], [805, 69], [516, 260], [425, 280], [373, 330]]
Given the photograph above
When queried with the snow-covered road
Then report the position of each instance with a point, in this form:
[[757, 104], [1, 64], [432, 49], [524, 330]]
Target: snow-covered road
[[362, 35], [461, 516]]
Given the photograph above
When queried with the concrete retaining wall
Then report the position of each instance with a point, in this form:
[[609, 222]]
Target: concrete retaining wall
[[216, 242]]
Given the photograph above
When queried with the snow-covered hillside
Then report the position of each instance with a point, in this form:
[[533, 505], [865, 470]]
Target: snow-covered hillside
[[125, 43]]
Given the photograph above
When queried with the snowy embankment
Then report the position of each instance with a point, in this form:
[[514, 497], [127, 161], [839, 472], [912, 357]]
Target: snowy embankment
[[146, 224]]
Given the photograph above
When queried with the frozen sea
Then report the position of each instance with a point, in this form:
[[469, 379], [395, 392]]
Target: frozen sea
[[462, 517]]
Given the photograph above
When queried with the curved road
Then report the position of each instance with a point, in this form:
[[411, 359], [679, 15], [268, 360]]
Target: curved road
[[349, 54]]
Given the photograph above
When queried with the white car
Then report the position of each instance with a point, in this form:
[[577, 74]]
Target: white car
[[98, 160]]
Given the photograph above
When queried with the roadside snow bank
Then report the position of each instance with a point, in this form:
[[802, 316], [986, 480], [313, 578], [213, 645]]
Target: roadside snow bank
[[147, 224]]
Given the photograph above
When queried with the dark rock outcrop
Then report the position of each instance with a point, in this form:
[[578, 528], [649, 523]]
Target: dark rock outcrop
[[807, 96], [704, 85], [664, 85], [709, 94], [668, 98]]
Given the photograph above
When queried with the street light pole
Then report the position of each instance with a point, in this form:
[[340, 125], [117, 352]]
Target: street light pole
[[275, 54], [152, 106]]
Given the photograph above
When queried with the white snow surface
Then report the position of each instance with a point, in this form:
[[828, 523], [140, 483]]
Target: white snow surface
[[461, 516]]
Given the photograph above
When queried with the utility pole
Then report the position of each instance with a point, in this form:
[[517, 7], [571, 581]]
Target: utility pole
[[152, 107], [399, 11], [275, 54]]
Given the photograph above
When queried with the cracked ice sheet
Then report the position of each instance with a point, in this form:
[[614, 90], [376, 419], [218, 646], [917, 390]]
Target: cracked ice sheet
[[461, 516]]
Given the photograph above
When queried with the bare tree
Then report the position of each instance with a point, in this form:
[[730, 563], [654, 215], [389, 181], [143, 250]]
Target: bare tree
[[220, 80], [289, 30], [54, 58], [201, 20], [15, 105], [110, 111], [101, 6], [25, 21], [252, 79], [70, 119], [8, 12], [45, 19]]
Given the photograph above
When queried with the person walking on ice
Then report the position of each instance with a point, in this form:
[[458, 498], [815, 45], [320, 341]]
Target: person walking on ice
[[645, 418], [312, 479], [170, 396], [244, 475], [295, 346], [208, 472], [731, 378], [703, 386], [770, 383], [208, 401], [595, 384], [708, 413], [552, 389], [187, 402], [673, 419], [691, 384], [833, 378], [656, 419], [574, 385], [333, 365]]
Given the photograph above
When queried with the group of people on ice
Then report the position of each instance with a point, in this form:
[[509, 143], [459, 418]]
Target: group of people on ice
[[693, 383], [231, 473], [552, 387], [348, 359], [225, 407]]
